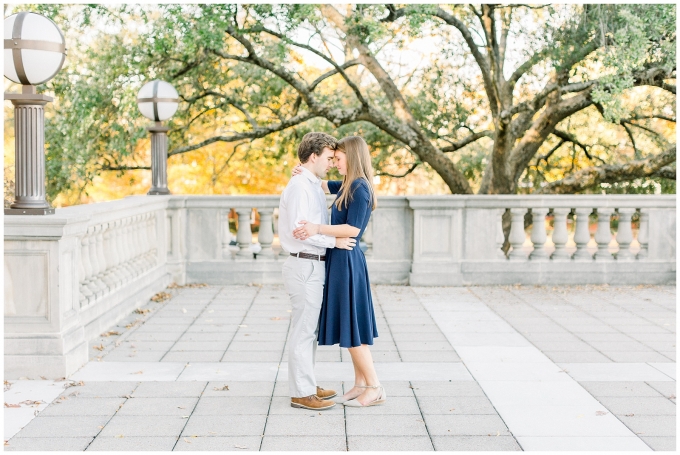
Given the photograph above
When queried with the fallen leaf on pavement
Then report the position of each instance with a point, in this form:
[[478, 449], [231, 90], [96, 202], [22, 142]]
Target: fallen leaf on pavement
[[32, 402], [142, 311], [138, 372], [240, 447], [120, 436], [275, 318], [181, 407], [43, 378], [99, 348], [127, 396], [110, 333], [8, 385], [74, 384], [630, 415], [601, 413], [224, 387], [186, 440], [8, 405], [161, 296], [185, 417]]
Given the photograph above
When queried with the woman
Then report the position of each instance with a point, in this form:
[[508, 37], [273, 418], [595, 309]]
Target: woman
[[347, 315]]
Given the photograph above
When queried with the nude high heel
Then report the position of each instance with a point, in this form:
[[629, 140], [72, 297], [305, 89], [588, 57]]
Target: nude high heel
[[378, 401]]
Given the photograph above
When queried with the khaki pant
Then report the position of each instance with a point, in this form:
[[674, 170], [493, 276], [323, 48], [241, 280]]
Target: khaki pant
[[304, 279]]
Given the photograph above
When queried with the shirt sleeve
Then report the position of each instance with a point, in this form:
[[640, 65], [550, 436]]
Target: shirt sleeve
[[358, 209], [299, 209], [334, 186]]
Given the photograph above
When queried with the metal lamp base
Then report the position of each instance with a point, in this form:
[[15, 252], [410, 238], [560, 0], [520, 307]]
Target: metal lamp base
[[159, 191], [47, 211]]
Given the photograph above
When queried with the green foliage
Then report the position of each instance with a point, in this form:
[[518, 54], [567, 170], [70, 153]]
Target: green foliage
[[94, 122]]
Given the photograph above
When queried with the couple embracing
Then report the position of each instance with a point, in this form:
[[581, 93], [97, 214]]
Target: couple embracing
[[326, 275]]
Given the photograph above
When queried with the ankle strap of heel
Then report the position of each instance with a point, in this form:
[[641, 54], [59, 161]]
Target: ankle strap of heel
[[369, 386]]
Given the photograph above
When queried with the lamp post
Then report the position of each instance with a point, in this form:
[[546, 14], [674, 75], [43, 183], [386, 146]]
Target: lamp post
[[35, 50], [158, 101]]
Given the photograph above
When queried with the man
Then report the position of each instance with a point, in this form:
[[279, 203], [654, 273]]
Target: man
[[304, 270]]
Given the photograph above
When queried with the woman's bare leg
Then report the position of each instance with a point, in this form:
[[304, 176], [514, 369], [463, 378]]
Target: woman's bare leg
[[358, 380], [363, 362]]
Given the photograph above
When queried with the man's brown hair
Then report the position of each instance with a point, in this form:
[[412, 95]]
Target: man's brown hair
[[315, 143]]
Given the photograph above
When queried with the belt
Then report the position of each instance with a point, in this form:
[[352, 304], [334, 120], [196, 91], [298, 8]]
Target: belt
[[316, 257]]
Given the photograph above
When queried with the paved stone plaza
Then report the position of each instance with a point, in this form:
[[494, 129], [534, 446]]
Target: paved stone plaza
[[465, 368]]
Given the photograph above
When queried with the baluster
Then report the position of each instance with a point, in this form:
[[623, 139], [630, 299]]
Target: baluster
[[226, 235], [500, 235], [538, 234], [107, 276], [136, 245], [582, 235], [116, 275], [94, 267], [139, 262], [127, 247], [121, 248], [517, 235], [624, 236], [146, 241], [266, 233], [101, 258], [244, 235], [560, 235], [368, 237], [643, 235], [603, 236], [153, 240], [86, 294]]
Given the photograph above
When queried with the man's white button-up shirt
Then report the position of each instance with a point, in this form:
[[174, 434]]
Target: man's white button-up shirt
[[303, 199]]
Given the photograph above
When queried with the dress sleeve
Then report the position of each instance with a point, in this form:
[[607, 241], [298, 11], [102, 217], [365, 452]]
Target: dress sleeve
[[359, 206], [334, 186]]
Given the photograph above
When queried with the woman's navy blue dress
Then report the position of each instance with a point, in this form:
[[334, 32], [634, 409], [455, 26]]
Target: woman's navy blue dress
[[347, 316]]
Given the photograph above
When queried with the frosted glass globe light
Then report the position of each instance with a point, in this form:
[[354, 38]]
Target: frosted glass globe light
[[158, 100], [35, 48]]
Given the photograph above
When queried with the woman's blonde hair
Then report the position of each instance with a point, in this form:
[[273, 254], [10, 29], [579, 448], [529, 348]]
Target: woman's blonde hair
[[358, 167]]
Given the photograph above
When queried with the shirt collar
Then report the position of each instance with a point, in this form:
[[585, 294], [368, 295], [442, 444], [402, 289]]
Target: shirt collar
[[312, 178]]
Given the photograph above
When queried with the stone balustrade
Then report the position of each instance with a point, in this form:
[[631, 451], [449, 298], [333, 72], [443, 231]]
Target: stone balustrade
[[458, 240], [70, 276]]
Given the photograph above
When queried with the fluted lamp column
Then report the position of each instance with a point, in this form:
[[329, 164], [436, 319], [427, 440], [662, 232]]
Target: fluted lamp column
[[35, 51], [158, 101]]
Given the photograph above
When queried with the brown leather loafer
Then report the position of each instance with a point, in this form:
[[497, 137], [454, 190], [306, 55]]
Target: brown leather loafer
[[325, 394], [311, 402]]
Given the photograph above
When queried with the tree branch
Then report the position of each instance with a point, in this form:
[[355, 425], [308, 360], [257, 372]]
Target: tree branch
[[411, 169], [254, 134], [593, 176], [124, 168], [667, 172], [566, 137], [468, 140], [481, 60], [338, 68]]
